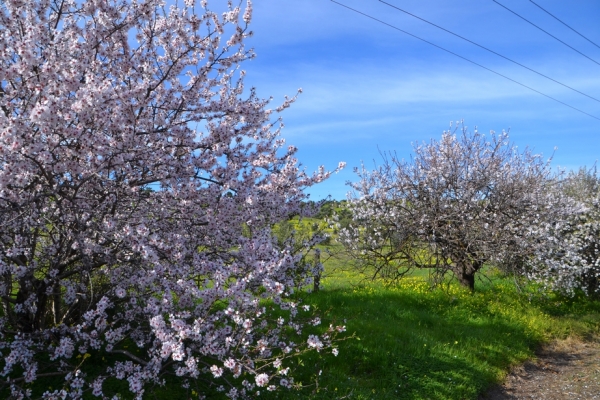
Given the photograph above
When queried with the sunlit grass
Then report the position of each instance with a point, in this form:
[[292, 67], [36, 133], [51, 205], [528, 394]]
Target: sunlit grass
[[416, 343]]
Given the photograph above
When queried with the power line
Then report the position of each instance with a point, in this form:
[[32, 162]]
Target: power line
[[491, 51], [546, 32], [556, 18], [466, 59]]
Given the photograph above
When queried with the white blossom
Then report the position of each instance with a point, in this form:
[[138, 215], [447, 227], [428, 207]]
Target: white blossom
[[139, 182]]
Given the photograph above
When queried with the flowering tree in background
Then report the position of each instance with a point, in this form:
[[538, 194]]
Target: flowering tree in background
[[570, 257], [459, 203], [138, 184]]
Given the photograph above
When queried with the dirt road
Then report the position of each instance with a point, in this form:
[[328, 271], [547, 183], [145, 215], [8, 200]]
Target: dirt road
[[567, 369]]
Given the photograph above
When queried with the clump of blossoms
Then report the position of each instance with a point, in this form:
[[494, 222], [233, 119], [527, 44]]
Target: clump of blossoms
[[569, 258], [138, 184]]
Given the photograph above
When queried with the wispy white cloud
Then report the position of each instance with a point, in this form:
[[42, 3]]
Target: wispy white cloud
[[364, 89], [368, 87]]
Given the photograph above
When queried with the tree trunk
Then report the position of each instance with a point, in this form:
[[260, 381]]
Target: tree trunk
[[317, 273], [466, 277], [32, 320], [592, 284], [465, 271]]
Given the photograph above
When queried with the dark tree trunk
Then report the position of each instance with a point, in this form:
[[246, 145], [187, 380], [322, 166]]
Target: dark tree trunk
[[592, 285], [466, 277], [29, 321], [465, 273], [317, 274]]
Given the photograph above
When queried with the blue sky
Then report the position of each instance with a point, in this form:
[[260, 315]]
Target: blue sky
[[369, 88]]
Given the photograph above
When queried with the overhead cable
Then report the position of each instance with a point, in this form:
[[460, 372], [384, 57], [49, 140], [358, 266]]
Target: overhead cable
[[491, 51], [466, 59], [546, 32], [564, 23]]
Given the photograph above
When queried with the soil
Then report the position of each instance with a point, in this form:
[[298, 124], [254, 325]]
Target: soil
[[568, 369]]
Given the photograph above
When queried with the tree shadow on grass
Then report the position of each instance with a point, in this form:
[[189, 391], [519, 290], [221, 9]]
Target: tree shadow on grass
[[416, 346]]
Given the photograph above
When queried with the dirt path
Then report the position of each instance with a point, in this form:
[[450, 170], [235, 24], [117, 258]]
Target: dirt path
[[563, 370]]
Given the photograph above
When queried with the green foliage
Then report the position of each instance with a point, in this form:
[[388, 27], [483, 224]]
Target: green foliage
[[300, 230], [329, 208]]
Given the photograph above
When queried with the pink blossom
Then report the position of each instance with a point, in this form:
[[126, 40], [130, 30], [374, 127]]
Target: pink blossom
[[137, 165], [314, 342], [262, 380], [216, 371]]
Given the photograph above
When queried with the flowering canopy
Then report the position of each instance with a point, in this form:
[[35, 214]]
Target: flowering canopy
[[569, 258], [138, 183], [460, 202]]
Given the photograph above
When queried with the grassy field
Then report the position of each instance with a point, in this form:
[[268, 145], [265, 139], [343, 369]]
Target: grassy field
[[415, 343]]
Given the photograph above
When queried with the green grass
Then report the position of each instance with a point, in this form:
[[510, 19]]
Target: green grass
[[416, 343]]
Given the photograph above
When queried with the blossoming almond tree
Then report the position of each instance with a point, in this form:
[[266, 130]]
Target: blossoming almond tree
[[569, 258], [138, 183], [457, 204]]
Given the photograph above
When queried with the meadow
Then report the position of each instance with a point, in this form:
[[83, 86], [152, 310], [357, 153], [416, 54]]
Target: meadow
[[409, 341]]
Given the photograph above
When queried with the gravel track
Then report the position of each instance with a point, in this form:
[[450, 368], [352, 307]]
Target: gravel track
[[568, 369]]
